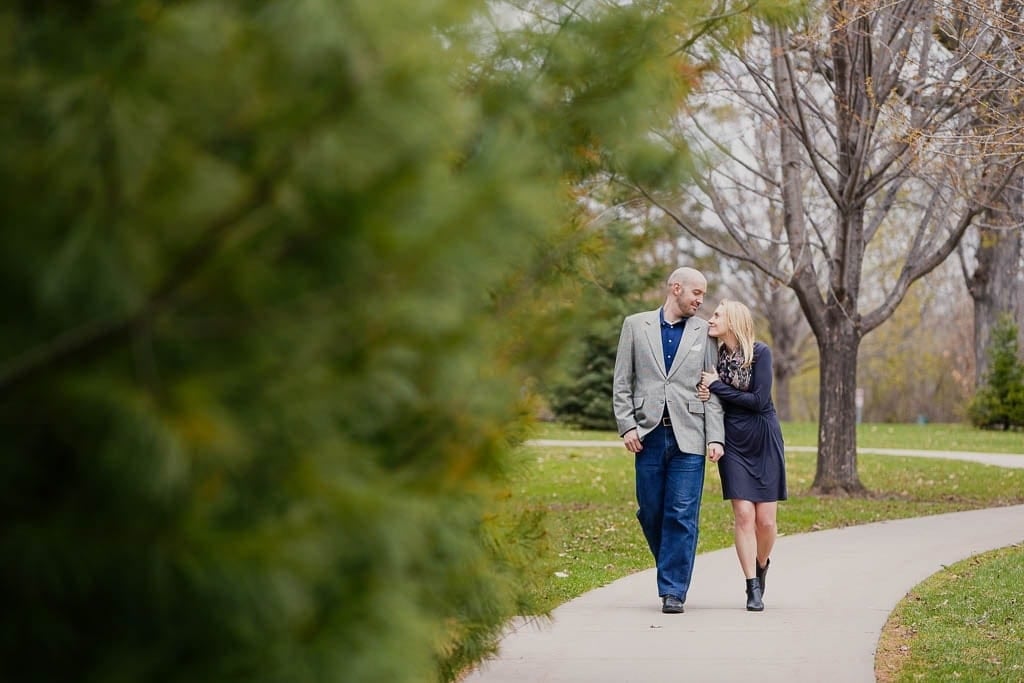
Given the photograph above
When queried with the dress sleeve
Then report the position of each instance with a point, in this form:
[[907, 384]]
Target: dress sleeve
[[760, 395]]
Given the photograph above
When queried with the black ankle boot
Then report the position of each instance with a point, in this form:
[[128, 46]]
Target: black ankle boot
[[761, 571], [754, 603]]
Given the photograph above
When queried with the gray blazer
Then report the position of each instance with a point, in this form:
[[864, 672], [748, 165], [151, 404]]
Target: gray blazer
[[641, 388]]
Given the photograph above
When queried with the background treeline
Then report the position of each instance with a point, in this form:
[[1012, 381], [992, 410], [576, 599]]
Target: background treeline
[[919, 365]]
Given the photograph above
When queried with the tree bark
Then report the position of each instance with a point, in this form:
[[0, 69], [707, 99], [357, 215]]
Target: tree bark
[[837, 423], [995, 283], [790, 335]]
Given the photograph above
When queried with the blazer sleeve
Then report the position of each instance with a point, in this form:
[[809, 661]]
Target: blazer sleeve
[[714, 420], [624, 379], [760, 396]]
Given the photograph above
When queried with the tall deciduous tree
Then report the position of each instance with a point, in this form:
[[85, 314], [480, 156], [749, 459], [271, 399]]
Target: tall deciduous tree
[[879, 173], [992, 258]]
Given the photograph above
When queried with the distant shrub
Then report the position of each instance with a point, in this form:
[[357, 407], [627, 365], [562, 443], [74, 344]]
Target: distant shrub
[[584, 399], [999, 403]]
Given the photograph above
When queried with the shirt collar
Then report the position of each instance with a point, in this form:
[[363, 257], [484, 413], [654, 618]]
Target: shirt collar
[[661, 316]]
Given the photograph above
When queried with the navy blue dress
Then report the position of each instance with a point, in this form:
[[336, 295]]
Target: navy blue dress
[[754, 465]]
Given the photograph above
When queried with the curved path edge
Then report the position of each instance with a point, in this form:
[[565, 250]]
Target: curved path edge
[[829, 594]]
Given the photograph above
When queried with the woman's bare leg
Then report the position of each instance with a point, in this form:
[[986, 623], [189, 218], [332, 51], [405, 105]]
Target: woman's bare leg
[[766, 529], [745, 535]]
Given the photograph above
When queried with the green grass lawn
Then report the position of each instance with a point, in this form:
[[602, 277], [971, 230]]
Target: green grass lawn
[[964, 623], [587, 494]]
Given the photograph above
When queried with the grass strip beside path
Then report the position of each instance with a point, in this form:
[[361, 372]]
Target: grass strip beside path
[[964, 623]]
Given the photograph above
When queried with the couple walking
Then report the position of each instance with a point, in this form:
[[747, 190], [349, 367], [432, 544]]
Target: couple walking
[[686, 389]]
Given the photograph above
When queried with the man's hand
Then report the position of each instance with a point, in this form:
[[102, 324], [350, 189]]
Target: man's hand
[[715, 451], [631, 439]]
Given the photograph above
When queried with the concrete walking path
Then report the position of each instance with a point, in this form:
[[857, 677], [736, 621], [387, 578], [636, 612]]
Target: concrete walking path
[[828, 596]]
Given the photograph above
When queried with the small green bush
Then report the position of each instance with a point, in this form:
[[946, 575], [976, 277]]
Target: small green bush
[[999, 404]]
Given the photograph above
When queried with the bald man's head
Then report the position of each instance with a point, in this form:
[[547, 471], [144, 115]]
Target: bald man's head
[[687, 276], [686, 289]]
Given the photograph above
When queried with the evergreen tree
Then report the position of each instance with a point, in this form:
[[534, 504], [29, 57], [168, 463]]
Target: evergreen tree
[[274, 277], [999, 403], [625, 282], [584, 399]]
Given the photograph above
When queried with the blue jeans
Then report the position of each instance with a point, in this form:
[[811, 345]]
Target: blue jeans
[[669, 486]]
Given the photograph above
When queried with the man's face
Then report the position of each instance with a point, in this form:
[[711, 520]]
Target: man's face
[[689, 296]]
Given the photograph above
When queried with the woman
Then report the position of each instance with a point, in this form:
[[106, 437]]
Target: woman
[[753, 467]]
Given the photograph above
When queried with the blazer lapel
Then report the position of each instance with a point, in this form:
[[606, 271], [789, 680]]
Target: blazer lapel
[[652, 330]]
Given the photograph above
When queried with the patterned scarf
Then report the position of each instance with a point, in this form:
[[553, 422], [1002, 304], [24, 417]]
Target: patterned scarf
[[731, 370]]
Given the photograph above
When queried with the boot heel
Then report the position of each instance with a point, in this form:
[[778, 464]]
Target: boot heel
[[761, 572]]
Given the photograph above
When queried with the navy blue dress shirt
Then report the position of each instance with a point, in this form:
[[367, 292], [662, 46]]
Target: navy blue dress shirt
[[671, 333]]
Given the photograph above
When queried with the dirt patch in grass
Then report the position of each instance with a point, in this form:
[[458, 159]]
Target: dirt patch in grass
[[893, 648]]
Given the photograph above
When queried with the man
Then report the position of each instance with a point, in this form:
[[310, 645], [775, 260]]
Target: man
[[658, 366]]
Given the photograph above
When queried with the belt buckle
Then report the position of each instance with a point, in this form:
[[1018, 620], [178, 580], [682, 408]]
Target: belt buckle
[[666, 421]]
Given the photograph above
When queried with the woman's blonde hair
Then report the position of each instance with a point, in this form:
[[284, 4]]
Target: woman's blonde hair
[[741, 323]]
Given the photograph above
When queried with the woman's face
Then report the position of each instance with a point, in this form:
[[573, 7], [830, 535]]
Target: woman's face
[[718, 326]]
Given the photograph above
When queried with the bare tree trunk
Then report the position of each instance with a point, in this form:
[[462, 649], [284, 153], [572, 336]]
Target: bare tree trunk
[[995, 284], [837, 423], [784, 396], [790, 335]]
